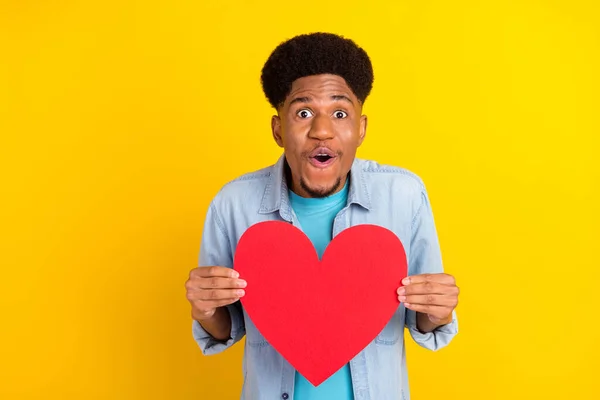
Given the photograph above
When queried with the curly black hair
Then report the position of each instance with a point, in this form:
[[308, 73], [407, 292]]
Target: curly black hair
[[313, 54]]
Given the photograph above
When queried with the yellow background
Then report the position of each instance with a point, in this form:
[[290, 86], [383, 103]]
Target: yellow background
[[120, 120]]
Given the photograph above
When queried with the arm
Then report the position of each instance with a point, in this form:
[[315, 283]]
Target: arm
[[432, 326], [217, 332]]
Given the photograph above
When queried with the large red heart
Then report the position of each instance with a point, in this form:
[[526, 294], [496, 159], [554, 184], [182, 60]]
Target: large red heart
[[319, 314]]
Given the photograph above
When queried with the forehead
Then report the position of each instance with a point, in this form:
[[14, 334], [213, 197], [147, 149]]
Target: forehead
[[319, 85]]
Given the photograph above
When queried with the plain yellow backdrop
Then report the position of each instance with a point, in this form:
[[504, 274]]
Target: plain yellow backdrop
[[119, 121]]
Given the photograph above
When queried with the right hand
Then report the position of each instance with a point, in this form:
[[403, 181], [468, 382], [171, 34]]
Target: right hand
[[209, 288]]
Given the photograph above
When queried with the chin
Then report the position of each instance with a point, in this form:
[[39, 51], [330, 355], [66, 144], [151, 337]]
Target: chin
[[321, 189]]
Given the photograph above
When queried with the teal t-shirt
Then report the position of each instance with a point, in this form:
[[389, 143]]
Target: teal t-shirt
[[316, 217]]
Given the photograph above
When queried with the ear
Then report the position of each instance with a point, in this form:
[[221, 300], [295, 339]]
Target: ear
[[362, 129], [276, 129]]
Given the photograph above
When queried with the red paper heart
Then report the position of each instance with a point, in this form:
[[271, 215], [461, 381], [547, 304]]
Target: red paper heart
[[319, 314]]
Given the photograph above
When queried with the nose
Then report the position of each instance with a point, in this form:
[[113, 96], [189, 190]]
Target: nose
[[321, 128]]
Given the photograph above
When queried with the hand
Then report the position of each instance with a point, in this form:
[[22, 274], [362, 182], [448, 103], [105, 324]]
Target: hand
[[209, 288], [435, 295]]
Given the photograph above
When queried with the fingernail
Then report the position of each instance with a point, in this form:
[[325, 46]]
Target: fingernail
[[401, 298], [240, 293], [406, 281], [235, 274], [401, 291], [242, 283], [407, 305]]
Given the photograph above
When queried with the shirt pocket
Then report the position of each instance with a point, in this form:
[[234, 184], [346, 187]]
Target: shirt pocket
[[392, 331], [253, 337]]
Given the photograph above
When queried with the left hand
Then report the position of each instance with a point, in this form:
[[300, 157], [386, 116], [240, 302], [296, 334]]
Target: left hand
[[435, 295]]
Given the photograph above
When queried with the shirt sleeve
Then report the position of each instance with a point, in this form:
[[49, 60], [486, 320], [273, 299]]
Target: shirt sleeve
[[215, 249], [425, 257]]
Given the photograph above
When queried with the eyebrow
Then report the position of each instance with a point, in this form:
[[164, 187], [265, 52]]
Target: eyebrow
[[343, 97], [300, 100], [335, 97]]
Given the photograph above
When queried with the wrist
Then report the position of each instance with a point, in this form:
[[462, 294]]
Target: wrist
[[440, 321], [218, 325], [427, 323], [206, 316]]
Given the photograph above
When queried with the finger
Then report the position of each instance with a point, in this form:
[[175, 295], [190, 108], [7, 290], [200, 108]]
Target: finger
[[430, 299], [202, 305], [435, 311], [195, 284], [215, 295], [444, 279], [214, 271], [426, 288], [219, 283]]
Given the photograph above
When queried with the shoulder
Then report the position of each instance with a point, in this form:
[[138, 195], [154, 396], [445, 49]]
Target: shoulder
[[378, 174], [246, 188], [395, 190], [250, 179]]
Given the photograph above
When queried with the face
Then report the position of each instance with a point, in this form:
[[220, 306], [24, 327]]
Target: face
[[319, 126]]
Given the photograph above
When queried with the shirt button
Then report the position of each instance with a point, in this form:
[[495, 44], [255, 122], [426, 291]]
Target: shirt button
[[285, 396]]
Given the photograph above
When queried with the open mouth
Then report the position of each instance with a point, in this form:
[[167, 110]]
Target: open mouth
[[322, 157]]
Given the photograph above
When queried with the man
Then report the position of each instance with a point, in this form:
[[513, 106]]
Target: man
[[318, 84]]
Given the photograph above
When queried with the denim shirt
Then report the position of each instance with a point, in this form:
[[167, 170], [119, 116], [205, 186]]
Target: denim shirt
[[383, 195]]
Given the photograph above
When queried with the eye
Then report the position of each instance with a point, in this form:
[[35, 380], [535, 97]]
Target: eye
[[340, 114], [304, 113]]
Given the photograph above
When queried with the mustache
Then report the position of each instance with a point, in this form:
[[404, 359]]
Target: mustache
[[307, 153]]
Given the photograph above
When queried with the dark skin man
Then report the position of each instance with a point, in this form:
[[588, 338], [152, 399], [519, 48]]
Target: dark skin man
[[320, 126]]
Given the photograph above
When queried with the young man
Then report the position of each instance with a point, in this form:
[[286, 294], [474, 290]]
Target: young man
[[318, 84]]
